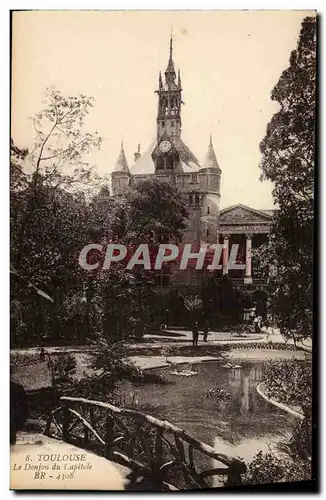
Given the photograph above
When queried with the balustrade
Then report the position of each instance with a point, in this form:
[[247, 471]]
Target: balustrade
[[165, 456]]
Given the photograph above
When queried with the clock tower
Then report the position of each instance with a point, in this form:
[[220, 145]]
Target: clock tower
[[169, 102], [166, 155]]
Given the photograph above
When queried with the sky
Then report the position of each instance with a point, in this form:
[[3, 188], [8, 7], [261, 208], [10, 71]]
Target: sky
[[229, 63]]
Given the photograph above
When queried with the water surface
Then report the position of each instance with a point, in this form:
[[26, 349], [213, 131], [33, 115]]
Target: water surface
[[241, 427]]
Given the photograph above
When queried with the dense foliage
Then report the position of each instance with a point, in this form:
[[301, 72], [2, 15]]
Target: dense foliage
[[216, 301], [288, 151], [288, 382], [223, 303], [275, 468], [59, 204]]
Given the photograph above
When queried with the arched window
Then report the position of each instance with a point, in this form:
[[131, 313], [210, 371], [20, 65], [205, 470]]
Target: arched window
[[169, 162], [164, 105], [160, 163]]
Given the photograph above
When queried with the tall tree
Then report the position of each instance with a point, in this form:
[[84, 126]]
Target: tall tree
[[288, 151], [59, 156], [158, 212], [48, 212]]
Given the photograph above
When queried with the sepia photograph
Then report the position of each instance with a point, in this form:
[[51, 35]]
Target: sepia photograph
[[162, 321]]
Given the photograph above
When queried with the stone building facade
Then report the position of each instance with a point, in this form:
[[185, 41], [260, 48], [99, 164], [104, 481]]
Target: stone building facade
[[169, 159]]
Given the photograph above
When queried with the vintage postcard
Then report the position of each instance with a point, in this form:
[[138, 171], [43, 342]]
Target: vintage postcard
[[162, 213]]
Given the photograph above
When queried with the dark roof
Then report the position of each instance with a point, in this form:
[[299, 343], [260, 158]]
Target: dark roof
[[121, 165], [145, 164], [210, 159]]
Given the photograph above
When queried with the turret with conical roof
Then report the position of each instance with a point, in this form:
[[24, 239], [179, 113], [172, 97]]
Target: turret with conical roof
[[210, 177], [121, 165], [120, 174], [210, 159], [211, 170]]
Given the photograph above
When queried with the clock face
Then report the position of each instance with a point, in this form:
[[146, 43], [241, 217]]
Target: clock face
[[165, 146]]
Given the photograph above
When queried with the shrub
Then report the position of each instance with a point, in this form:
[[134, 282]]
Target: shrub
[[290, 382], [273, 468], [63, 370]]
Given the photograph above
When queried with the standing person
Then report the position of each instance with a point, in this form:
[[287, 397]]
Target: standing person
[[195, 333], [267, 323], [166, 322], [206, 327], [257, 324], [251, 319]]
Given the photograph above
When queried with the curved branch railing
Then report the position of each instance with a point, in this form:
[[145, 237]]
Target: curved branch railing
[[156, 451]]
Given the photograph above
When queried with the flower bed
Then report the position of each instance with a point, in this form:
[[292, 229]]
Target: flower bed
[[277, 346]]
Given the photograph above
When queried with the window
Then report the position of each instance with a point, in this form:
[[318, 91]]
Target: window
[[207, 210], [194, 178], [160, 163], [163, 276], [207, 233], [169, 163]]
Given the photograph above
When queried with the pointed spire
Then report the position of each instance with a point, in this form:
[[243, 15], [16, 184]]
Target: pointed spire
[[179, 79], [210, 160], [121, 165], [170, 68], [160, 81]]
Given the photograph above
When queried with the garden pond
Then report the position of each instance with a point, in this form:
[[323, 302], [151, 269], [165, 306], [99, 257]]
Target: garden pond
[[239, 425]]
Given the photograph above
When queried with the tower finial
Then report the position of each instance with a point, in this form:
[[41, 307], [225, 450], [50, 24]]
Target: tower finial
[[137, 155], [210, 139], [170, 68]]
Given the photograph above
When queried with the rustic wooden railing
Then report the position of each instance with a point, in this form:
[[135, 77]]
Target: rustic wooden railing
[[157, 452]]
